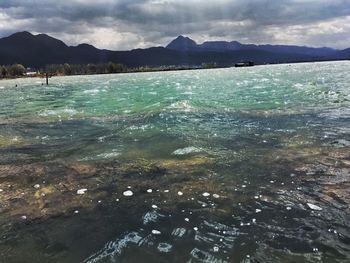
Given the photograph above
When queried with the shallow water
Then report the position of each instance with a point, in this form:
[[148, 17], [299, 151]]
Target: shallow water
[[223, 165]]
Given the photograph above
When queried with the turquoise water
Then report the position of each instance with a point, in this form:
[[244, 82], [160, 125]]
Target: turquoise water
[[224, 165]]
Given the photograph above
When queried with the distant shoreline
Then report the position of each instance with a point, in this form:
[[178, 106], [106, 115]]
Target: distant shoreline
[[43, 75], [148, 70]]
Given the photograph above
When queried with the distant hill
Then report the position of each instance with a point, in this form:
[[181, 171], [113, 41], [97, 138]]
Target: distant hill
[[342, 54], [184, 43], [40, 50]]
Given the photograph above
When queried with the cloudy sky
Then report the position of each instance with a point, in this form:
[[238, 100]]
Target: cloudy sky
[[126, 24]]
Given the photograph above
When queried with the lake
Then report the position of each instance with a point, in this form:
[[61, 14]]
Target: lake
[[220, 165]]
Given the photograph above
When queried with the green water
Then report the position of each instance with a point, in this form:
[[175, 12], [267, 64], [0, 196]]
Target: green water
[[266, 143]]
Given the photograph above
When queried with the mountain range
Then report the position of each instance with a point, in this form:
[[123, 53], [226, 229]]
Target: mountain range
[[185, 43], [39, 50]]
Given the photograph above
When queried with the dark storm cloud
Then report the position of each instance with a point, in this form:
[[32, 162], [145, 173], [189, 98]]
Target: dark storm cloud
[[134, 23]]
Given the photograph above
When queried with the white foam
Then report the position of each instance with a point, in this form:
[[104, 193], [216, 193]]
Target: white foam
[[81, 191], [187, 150], [156, 232], [128, 193], [66, 111], [181, 105], [314, 207], [91, 91], [108, 155]]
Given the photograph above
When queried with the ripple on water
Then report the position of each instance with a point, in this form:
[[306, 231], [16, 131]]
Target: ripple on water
[[179, 232], [66, 111], [91, 91], [115, 248], [152, 216], [164, 247], [182, 106], [204, 256], [108, 155]]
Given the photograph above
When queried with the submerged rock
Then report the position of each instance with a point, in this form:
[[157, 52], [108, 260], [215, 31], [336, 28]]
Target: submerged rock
[[11, 141], [44, 191], [142, 168], [186, 164], [341, 143]]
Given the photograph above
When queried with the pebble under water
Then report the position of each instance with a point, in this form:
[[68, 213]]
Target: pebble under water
[[221, 165]]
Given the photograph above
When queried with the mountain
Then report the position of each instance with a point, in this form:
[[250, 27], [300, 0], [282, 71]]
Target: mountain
[[220, 45], [342, 54], [24, 47], [318, 52], [40, 50], [184, 43]]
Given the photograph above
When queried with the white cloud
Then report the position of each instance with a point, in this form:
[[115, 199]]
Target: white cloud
[[334, 33]]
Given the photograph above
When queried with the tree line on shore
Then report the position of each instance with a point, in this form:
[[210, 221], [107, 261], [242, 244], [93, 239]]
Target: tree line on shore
[[76, 69], [14, 70], [17, 70]]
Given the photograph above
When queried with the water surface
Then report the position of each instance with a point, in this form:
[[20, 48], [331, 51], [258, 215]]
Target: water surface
[[224, 165]]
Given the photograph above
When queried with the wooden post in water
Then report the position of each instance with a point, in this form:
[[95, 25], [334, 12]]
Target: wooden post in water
[[47, 78]]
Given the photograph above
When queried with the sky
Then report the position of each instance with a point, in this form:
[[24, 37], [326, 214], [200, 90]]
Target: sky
[[128, 24]]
